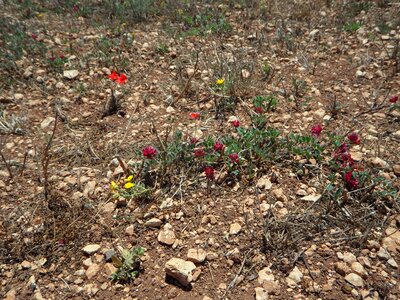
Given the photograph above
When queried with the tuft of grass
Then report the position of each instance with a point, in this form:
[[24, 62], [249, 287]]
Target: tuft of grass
[[352, 26]]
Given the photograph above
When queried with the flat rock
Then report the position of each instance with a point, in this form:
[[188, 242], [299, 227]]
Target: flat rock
[[154, 222], [47, 122], [92, 271], [235, 228], [196, 255], [91, 249], [167, 235], [311, 198], [261, 294], [295, 277], [70, 74], [264, 183], [181, 270], [396, 170], [378, 162], [354, 279], [265, 275]]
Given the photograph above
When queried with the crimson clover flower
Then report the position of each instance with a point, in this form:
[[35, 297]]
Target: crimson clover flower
[[259, 109], [34, 36], [394, 99], [350, 181], [75, 8], [194, 115], [199, 153], [316, 130], [354, 138], [149, 152], [235, 123], [234, 157], [219, 147], [209, 171], [193, 140]]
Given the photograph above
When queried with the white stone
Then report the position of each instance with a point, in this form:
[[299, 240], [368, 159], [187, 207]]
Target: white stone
[[355, 280], [71, 74], [180, 269], [90, 249]]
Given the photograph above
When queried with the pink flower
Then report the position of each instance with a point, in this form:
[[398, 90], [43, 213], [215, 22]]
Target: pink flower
[[354, 138], [219, 147], [394, 99], [350, 181], [234, 157], [149, 152], [194, 115], [235, 123], [209, 171], [199, 153], [316, 130]]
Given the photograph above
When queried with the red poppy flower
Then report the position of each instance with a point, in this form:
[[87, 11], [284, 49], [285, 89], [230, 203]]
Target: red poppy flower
[[234, 157], [235, 123], [113, 76], [199, 153], [259, 109], [219, 147], [121, 79], [316, 130], [354, 138], [394, 99], [149, 152], [350, 181], [209, 171], [194, 115]]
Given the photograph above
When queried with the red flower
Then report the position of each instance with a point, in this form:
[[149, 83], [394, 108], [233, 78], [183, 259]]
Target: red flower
[[193, 140], [121, 79], [113, 76], [350, 181], [199, 153], [234, 157], [219, 147], [235, 123], [62, 57], [75, 8], [259, 109], [354, 138], [194, 115], [34, 36], [209, 171], [316, 130], [394, 99], [149, 152]]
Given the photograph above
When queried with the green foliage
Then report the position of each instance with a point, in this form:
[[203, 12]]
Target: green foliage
[[266, 103], [352, 26], [203, 24], [127, 264]]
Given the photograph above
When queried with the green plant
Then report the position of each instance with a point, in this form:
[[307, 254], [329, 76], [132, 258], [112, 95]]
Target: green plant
[[127, 264], [352, 26]]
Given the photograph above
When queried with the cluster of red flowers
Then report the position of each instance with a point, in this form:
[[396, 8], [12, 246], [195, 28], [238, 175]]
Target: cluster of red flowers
[[234, 157], [394, 99], [343, 156], [149, 152], [209, 171], [316, 130], [354, 138], [235, 123], [120, 79], [219, 147], [199, 153], [259, 109], [350, 180]]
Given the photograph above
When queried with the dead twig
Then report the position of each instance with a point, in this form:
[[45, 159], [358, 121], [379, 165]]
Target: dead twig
[[7, 165]]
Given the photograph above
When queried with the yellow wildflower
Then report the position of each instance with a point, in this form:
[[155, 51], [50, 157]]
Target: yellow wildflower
[[220, 81], [128, 185], [113, 186], [129, 178]]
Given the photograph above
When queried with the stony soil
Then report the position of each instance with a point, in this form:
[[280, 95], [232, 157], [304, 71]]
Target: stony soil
[[59, 248]]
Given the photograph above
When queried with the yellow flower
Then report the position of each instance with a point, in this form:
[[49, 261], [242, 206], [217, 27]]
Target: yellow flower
[[128, 185], [113, 186], [129, 178], [220, 81]]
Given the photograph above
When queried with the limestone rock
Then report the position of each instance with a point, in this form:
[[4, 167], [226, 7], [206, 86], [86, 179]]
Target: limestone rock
[[167, 235], [92, 271], [196, 255], [235, 228], [181, 270], [71, 74], [91, 249], [295, 277], [355, 280]]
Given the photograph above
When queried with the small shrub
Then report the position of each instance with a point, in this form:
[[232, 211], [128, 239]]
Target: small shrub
[[127, 264]]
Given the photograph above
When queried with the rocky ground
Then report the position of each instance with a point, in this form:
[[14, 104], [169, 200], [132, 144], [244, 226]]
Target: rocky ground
[[254, 238]]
